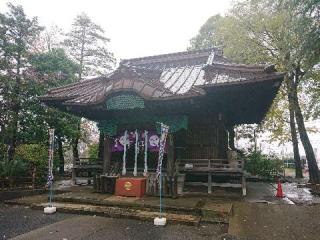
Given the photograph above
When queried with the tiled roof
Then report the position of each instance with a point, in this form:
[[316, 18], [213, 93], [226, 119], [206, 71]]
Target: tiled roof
[[164, 77], [160, 62]]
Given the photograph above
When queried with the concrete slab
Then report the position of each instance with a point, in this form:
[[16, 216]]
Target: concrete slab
[[117, 212], [86, 202], [275, 221]]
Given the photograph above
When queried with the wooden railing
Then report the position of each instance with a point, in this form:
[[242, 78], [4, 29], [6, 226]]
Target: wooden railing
[[209, 165], [86, 168], [89, 161], [16, 182]]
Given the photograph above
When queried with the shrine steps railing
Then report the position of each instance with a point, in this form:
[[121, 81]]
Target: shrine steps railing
[[210, 165], [88, 163]]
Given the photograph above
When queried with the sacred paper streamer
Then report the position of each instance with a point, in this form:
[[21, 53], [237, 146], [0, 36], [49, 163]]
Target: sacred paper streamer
[[124, 143], [50, 163], [163, 137], [135, 170], [145, 171], [50, 157]]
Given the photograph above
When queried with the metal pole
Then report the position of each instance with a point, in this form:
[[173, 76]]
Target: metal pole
[[50, 196], [160, 193], [145, 171]]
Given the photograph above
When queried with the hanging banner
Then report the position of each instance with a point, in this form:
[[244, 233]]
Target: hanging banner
[[153, 141], [163, 138]]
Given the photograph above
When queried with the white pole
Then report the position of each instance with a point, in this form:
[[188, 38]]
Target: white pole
[[50, 208], [161, 221], [145, 171], [124, 170], [135, 170]]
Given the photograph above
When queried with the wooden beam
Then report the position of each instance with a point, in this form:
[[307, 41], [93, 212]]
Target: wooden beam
[[106, 154], [170, 156]]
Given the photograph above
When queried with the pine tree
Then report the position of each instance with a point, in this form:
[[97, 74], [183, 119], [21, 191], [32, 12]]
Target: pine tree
[[88, 47], [17, 34]]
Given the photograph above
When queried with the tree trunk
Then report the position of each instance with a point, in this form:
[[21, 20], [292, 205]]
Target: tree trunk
[[15, 111], [34, 174], [61, 157], [75, 143], [75, 151], [255, 140], [13, 135], [311, 159], [101, 146], [294, 137], [107, 155]]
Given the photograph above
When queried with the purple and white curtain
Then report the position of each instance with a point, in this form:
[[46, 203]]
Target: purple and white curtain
[[150, 137]]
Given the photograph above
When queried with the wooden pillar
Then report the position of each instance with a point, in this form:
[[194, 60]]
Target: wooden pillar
[[170, 163], [209, 178], [106, 154], [101, 145], [244, 185], [170, 156], [74, 176], [231, 138], [209, 183]]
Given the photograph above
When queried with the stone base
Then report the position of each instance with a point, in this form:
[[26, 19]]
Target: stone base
[[49, 210], [160, 221]]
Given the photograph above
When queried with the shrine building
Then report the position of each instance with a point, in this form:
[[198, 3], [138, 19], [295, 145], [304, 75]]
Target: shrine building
[[199, 94]]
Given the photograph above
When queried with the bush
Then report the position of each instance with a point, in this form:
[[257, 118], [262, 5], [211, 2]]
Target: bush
[[13, 168], [263, 165], [36, 157]]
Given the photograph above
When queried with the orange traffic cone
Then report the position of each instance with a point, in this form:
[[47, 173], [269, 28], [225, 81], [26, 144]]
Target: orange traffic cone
[[279, 190]]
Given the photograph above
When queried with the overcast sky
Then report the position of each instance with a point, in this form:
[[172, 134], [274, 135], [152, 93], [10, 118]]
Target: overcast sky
[[136, 28]]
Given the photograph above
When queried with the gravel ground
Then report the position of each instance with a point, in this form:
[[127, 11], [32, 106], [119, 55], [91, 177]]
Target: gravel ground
[[15, 220]]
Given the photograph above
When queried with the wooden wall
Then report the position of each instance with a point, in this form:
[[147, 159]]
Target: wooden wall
[[205, 138]]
